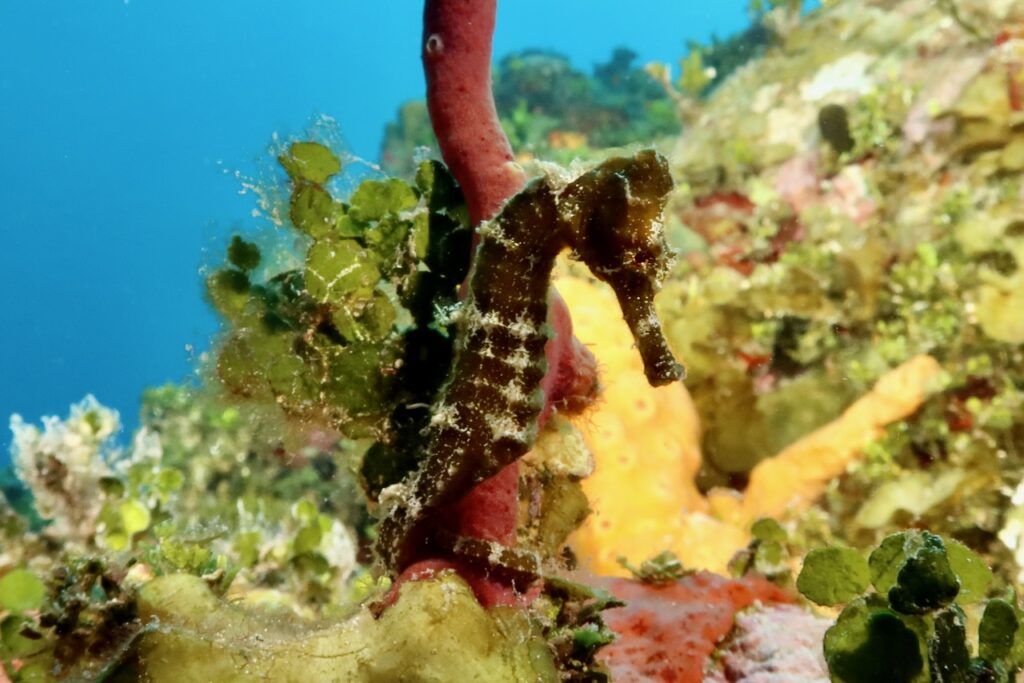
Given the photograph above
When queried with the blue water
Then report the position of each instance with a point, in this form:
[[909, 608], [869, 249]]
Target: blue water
[[119, 117]]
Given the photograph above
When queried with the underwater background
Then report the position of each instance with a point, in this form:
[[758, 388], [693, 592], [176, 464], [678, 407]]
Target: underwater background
[[128, 130], [360, 455]]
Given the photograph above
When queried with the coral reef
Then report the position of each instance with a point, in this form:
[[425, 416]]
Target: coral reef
[[551, 111], [366, 357], [395, 437], [845, 207]]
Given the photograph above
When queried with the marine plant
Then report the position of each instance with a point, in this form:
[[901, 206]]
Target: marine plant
[[907, 611]]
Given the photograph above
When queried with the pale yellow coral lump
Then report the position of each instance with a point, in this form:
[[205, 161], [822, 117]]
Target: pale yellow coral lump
[[436, 632]]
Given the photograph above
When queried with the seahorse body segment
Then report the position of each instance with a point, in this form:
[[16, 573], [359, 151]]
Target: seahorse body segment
[[487, 413]]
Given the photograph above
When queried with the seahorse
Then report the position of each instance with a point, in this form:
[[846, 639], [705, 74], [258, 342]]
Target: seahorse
[[486, 415]]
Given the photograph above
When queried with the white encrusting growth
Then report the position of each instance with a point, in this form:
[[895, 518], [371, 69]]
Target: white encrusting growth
[[445, 415], [493, 232], [505, 426], [513, 392]]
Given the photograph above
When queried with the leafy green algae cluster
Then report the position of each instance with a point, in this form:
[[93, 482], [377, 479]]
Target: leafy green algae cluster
[[907, 612], [357, 339]]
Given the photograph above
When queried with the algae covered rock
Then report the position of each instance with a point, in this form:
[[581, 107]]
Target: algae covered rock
[[436, 632], [845, 206]]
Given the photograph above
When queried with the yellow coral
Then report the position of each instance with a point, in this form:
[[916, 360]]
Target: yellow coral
[[795, 477], [646, 443]]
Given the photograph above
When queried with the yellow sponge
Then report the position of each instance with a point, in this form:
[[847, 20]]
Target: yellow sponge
[[646, 445]]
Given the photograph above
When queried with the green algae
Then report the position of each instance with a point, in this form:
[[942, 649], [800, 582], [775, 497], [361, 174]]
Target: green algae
[[327, 343], [913, 626]]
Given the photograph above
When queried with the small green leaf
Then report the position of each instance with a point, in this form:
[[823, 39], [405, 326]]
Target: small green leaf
[[13, 644], [238, 367], [591, 638], [135, 517], [305, 511], [379, 316], [388, 239], [436, 183], [925, 582], [694, 76], [870, 645], [247, 544], [971, 571], [313, 211], [21, 590], [346, 226], [164, 529], [888, 558], [356, 379], [290, 381], [831, 576], [767, 529], [243, 255], [374, 199], [771, 559], [116, 540], [996, 630], [365, 317], [310, 161], [949, 657], [36, 671], [314, 563], [228, 291], [170, 480], [335, 268], [112, 487], [307, 540], [420, 234]]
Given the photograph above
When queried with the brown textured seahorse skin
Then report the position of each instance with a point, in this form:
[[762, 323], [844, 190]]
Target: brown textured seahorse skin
[[614, 215], [488, 413], [486, 417], [456, 53]]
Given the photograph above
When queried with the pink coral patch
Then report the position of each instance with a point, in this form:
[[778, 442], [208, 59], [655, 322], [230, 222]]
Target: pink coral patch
[[669, 632]]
